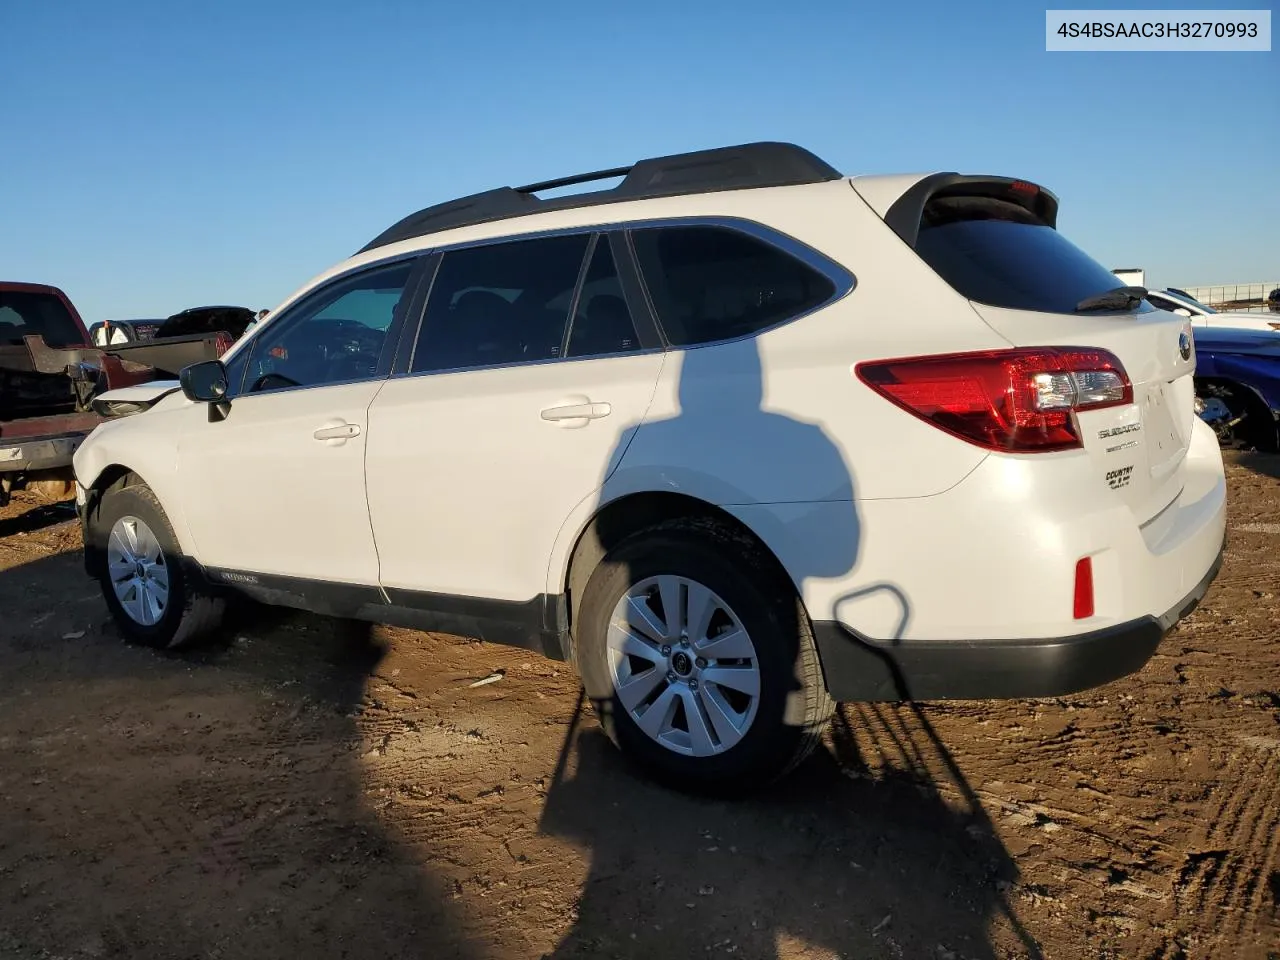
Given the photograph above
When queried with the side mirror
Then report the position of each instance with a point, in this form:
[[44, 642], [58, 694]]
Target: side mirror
[[204, 382]]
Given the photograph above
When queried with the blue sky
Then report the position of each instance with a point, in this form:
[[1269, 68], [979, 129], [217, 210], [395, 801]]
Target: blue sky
[[156, 157]]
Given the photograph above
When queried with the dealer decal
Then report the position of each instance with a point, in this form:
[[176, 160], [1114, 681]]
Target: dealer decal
[[1119, 477]]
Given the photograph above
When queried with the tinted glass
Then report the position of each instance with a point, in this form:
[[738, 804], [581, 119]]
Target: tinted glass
[[207, 320], [1164, 304], [711, 283], [998, 253], [602, 323], [24, 314], [1186, 300], [500, 303], [335, 335]]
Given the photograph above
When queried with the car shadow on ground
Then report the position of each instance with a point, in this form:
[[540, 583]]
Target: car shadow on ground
[[1267, 464], [165, 806], [37, 518], [847, 857]]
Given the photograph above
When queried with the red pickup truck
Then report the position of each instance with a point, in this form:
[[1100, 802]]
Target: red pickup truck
[[50, 373]]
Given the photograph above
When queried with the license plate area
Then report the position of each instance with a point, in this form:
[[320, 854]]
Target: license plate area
[[1165, 443]]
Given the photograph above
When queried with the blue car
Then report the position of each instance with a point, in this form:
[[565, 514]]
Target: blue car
[[1238, 386]]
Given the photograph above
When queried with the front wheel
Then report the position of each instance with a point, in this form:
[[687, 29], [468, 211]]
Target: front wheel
[[700, 660], [152, 598]]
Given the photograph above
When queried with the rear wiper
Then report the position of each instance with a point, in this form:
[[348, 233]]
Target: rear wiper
[[1121, 298]]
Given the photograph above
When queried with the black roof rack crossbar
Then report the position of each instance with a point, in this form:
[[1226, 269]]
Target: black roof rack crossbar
[[742, 167], [570, 181]]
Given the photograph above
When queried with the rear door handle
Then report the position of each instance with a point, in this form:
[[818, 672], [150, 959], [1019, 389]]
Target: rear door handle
[[343, 431], [577, 411]]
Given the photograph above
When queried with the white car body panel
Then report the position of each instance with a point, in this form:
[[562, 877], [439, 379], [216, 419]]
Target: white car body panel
[[262, 478], [940, 581], [492, 480]]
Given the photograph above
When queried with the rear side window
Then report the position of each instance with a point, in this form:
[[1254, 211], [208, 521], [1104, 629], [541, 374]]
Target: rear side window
[[28, 314], [712, 283], [997, 252], [500, 303]]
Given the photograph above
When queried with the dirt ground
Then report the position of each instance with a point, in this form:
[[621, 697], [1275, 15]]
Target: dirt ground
[[312, 790]]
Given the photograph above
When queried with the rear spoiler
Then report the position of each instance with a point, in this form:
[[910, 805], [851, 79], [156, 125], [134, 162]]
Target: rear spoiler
[[904, 216]]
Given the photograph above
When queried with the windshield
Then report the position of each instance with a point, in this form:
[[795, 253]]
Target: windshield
[[27, 314], [999, 253]]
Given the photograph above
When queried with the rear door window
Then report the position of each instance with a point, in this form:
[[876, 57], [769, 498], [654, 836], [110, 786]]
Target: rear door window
[[500, 303], [29, 314], [711, 283], [999, 253]]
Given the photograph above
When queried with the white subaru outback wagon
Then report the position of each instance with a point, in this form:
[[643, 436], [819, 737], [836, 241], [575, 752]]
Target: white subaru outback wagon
[[738, 438]]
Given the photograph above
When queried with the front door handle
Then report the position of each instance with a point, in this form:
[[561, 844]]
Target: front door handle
[[577, 411], [343, 431]]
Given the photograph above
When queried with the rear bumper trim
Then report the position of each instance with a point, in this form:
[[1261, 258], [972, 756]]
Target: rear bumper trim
[[860, 670]]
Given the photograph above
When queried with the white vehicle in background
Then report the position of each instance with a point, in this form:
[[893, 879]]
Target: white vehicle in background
[[688, 435], [1201, 315]]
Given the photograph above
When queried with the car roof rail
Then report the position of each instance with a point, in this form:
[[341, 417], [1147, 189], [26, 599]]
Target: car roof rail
[[748, 165]]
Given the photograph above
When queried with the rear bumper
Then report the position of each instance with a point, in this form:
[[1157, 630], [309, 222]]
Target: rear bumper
[[857, 669]]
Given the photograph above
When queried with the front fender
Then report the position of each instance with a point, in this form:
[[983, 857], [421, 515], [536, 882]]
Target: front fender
[[146, 445], [1259, 375]]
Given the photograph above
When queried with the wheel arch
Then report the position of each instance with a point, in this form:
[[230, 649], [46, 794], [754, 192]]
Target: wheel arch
[[1253, 397], [616, 520]]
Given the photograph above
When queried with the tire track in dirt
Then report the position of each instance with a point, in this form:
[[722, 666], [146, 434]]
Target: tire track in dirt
[[1228, 871]]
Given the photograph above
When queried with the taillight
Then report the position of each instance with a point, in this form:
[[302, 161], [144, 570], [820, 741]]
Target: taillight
[[1020, 400]]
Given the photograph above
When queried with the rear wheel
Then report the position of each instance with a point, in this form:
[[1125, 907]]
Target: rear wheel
[[153, 599], [700, 660]]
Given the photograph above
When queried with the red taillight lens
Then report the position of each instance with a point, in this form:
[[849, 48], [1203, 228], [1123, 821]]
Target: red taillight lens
[[1082, 605], [1019, 400]]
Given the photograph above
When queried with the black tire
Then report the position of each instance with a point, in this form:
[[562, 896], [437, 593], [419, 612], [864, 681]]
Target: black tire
[[192, 613], [793, 703]]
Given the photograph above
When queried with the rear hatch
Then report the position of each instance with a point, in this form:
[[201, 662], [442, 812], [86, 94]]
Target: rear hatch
[[995, 241]]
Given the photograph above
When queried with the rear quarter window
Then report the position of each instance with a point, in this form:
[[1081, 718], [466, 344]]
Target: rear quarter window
[[712, 283], [999, 253]]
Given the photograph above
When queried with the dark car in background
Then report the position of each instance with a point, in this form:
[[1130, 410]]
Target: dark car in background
[[231, 320], [1238, 386]]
